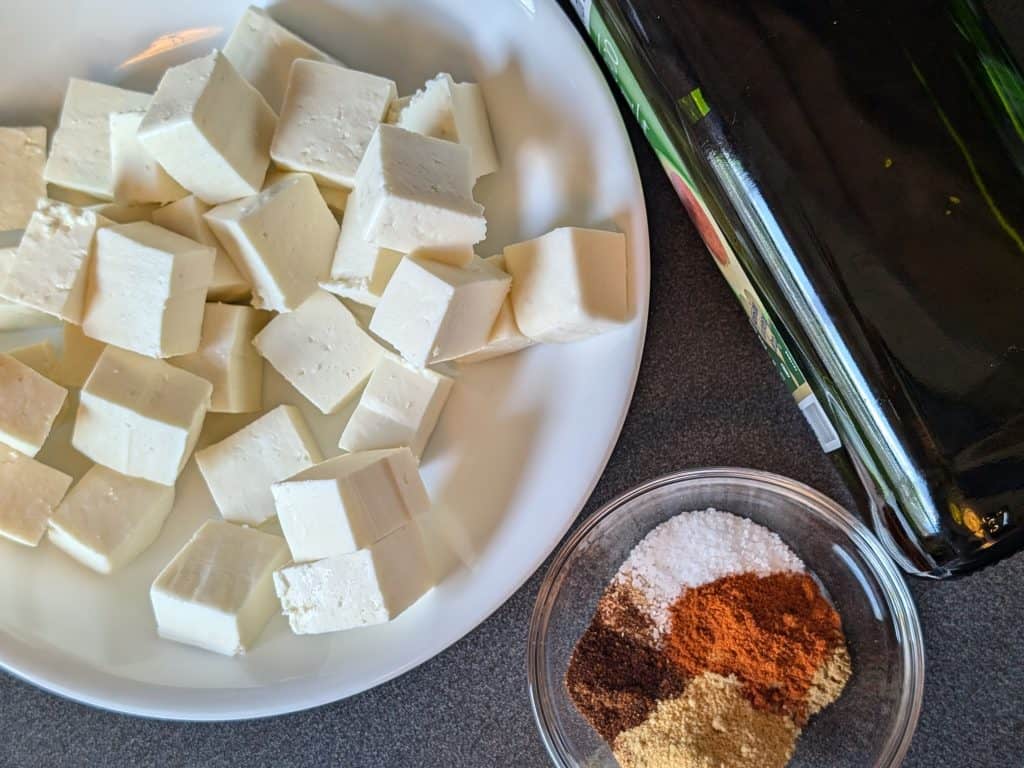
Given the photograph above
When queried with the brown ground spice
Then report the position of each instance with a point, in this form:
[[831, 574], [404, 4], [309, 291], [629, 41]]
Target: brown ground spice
[[829, 680], [622, 607], [710, 726], [772, 633], [615, 678]]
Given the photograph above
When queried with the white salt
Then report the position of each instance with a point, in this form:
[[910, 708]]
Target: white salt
[[695, 548]]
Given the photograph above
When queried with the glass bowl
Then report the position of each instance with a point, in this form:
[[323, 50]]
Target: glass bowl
[[871, 724]]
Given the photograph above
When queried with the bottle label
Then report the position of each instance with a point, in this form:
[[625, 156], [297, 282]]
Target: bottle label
[[724, 256]]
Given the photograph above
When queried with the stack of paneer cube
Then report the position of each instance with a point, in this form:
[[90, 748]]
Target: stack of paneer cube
[[260, 205]]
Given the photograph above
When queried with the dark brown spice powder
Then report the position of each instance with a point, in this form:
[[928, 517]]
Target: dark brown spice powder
[[615, 678]]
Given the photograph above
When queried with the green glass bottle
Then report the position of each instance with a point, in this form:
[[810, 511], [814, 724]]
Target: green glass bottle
[[856, 170]]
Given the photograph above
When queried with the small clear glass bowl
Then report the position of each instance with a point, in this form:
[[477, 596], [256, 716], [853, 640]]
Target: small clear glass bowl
[[872, 722]]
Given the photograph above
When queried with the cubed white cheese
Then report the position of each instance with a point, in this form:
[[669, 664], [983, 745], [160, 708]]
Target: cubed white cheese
[[40, 357], [50, 267], [140, 416], [399, 406], [360, 270], [363, 588], [321, 350], [185, 217], [147, 289], [16, 317], [349, 502], [416, 191], [281, 239], [108, 519], [227, 359], [80, 152], [432, 312], [505, 335], [22, 157], [240, 469], [138, 178], [124, 214], [29, 403], [568, 284], [29, 492], [210, 130], [78, 356], [263, 51], [218, 593], [328, 118], [453, 111]]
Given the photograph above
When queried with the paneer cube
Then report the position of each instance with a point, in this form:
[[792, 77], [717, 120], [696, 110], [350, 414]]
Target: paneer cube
[[22, 157], [349, 502], [138, 178], [108, 519], [185, 217], [50, 268], [78, 356], [321, 350], [400, 406], [227, 359], [210, 130], [416, 191], [569, 284], [505, 335], [218, 592], [327, 121], [80, 152], [140, 416], [240, 469], [453, 111], [432, 312], [16, 317], [281, 240], [360, 270], [29, 403], [363, 588], [29, 492], [263, 52], [41, 357], [147, 289]]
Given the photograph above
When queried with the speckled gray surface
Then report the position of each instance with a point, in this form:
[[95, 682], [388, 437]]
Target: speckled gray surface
[[706, 395]]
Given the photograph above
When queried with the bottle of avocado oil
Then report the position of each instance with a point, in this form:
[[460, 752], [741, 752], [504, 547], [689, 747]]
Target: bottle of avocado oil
[[856, 168]]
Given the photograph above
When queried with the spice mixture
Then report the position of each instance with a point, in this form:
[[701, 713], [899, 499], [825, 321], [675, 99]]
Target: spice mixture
[[710, 648]]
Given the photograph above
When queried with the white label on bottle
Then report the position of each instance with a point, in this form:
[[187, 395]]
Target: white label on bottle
[[819, 421], [583, 10]]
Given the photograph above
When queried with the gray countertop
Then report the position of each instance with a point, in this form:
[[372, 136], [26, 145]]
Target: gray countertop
[[706, 395]]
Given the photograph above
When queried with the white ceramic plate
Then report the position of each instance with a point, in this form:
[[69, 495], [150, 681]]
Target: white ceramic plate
[[523, 439]]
